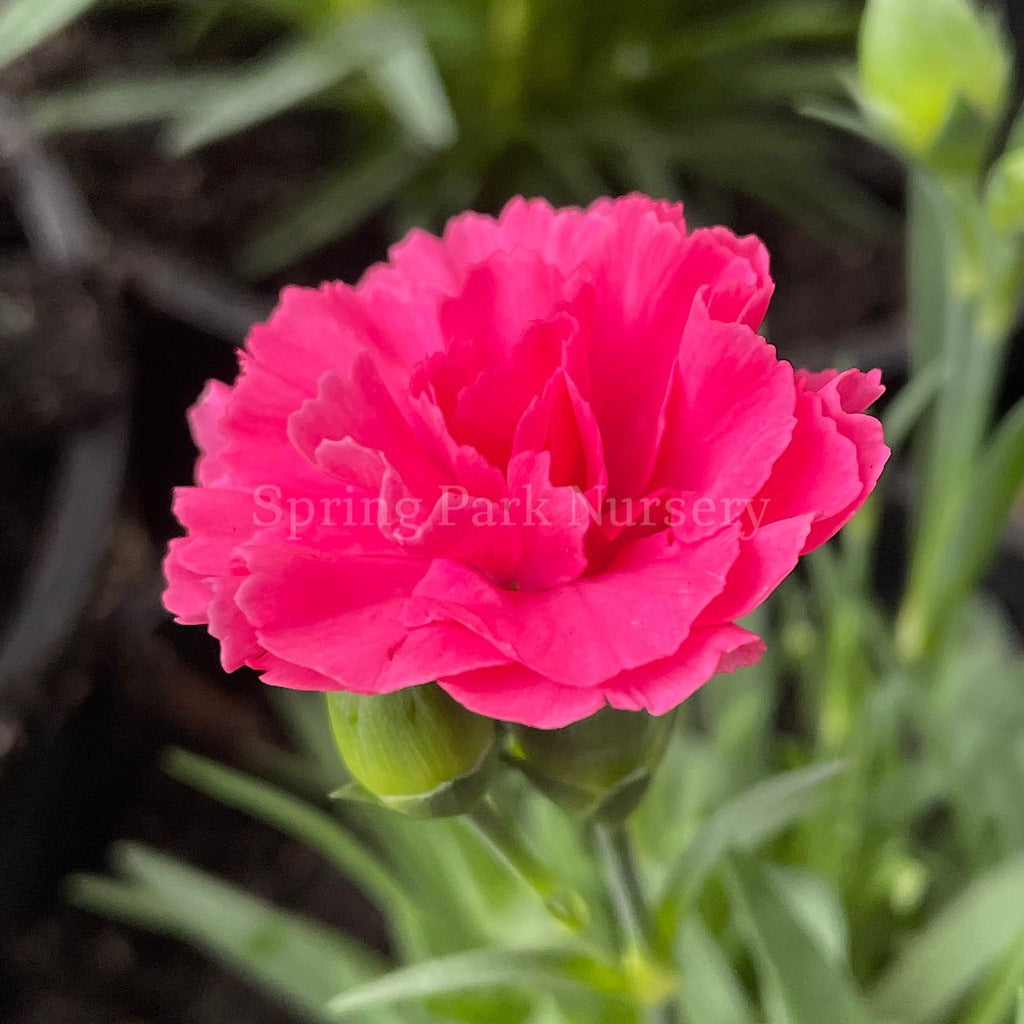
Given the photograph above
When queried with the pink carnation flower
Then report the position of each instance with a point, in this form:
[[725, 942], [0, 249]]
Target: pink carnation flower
[[545, 460]]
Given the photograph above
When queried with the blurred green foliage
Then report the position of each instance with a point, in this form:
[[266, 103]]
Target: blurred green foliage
[[451, 104], [884, 888]]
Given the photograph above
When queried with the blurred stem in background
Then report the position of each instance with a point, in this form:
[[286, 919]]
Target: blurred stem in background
[[499, 832], [958, 255], [635, 919]]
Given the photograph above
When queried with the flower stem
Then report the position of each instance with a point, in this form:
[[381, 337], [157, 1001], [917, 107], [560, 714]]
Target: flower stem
[[562, 901], [635, 922]]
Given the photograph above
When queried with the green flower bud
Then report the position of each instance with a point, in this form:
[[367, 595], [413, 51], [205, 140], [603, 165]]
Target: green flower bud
[[415, 750], [598, 768], [934, 76]]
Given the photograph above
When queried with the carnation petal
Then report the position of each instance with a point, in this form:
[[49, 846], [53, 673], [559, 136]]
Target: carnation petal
[[845, 395], [337, 613], [834, 459], [552, 523], [648, 284], [239, 644], [817, 473], [257, 450], [488, 410], [315, 329], [205, 421], [353, 417], [561, 422], [577, 634], [661, 685], [515, 693], [219, 521], [767, 556], [187, 595], [728, 415]]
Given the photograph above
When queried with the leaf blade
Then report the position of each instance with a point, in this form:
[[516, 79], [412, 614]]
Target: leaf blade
[[26, 23], [945, 960], [711, 992], [118, 102], [748, 820], [294, 818], [797, 978], [998, 482], [544, 969], [999, 998], [297, 960], [329, 208]]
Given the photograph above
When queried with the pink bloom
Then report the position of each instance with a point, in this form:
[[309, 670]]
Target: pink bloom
[[545, 460]]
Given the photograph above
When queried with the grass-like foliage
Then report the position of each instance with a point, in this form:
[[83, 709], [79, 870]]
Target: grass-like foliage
[[461, 103], [781, 882]]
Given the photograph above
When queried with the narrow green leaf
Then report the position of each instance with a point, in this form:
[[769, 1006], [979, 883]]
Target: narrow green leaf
[[999, 997], [411, 86], [726, 35], [941, 963], [382, 43], [817, 906], [26, 23], [907, 408], [930, 231], [334, 205], [122, 901], [543, 970], [710, 992], [441, 861], [800, 983], [119, 103], [998, 483], [293, 817], [294, 959], [747, 821], [843, 117], [291, 75], [420, 869]]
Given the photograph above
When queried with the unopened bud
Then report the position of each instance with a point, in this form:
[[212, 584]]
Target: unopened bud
[[415, 750], [934, 77], [598, 768]]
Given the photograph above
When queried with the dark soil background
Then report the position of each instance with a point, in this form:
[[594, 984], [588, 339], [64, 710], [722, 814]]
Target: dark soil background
[[100, 355]]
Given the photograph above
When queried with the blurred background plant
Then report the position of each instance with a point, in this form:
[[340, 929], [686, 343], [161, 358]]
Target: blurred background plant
[[835, 836], [458, 104]]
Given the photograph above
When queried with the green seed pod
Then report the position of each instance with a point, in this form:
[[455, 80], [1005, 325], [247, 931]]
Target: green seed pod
[[598, 768], [416, 750]]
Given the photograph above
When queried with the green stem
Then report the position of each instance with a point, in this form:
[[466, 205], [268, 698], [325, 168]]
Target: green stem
[[959, 433], [954, 323], [635, 921], [563, 902]]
